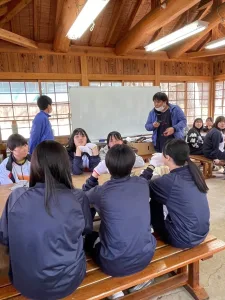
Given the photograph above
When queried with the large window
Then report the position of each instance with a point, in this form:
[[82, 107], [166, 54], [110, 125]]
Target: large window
[[192, 97], [18, 102], [219, 99], [120, 83], [138, 83]]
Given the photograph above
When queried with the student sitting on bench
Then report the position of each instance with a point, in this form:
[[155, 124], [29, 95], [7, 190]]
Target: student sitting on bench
[[83, 154], [125, 244], [183, 192], [213, 147], [16, 167], [43, 226], [194, 137], [115, 138]]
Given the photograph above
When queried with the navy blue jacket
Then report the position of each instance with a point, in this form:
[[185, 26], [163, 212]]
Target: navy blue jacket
[[179, 122], [77, 162], [46, 252], [127, 245], [188, 211], [41, 130], [211, 144]]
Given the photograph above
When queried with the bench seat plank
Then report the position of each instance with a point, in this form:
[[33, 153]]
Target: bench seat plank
[[112, 285]]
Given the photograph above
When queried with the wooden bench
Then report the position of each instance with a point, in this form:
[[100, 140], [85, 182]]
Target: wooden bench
[[181, 265], [207, 165]]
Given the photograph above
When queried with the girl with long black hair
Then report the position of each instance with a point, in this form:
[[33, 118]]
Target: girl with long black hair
[[43, 226], [183, 192]]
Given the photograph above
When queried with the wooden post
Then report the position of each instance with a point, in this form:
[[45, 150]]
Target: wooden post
[[157, 73], [84, 73]]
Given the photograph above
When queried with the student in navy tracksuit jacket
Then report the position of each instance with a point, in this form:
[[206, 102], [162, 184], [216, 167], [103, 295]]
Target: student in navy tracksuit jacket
[[183, 192], [167, 121], [83, 154], [41, 128], [213, 146], [126, 244], [43, 227]]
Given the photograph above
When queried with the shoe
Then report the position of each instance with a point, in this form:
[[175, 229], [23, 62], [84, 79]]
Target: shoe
[[116, 295], [141, 286]]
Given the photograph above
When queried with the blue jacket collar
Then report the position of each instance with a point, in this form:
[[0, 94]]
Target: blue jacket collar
[[185, 167], [41, 111]]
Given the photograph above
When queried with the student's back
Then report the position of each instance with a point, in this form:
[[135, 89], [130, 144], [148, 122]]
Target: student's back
[[188, 208], [45, 237], [127, 245]]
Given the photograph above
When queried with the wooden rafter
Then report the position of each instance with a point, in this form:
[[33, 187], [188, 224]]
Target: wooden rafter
[[17, 39], [206, 53], [151, 22], [14, 8], [37, 15], [3, 10], [213, 19], [134, 14], [206, 40], [221, 29], [70, 10], [59, 6], [114, 20], [4, 1]]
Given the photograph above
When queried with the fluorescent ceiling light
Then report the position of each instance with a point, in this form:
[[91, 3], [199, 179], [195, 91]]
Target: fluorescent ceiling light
[[86, 17], [216, 44], [177, 36]]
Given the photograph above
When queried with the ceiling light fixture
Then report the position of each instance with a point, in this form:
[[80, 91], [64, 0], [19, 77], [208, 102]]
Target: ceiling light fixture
[[216, 44], [86, 17], [177, 36]]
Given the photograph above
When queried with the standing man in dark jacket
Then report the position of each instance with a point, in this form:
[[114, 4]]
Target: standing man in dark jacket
[[167, 121], [41, 128]]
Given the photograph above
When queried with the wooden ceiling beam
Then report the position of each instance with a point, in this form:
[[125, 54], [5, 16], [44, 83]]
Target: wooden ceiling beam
[[134, 14], [70, 11], [14, 7], [37, 15], [206, 40], [4, 1], [206, 53], [212, 18], [59, 6], [151, 22], [17, 39], [3, 10], [221, 28], [114, 20], [204, 4]]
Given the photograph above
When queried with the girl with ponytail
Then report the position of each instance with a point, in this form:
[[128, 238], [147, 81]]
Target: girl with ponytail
[[183, 192]]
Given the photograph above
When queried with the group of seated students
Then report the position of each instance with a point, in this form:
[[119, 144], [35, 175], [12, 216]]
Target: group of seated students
[[210, 145], [48, 226]]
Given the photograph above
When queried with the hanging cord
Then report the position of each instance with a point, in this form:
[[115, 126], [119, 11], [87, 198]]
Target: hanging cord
[[92, 26]]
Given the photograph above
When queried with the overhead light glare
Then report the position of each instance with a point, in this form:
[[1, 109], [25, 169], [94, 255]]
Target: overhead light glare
[[177, 36], [86, 17], [216, 44]]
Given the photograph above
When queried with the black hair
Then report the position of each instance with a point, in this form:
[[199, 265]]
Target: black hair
[[198, 119], [16, 140], [71, 147], [209, 119], [179, 151], [161, 96], [218, 119], [50, 165], [43, 102], [120, 160], [114, 134]]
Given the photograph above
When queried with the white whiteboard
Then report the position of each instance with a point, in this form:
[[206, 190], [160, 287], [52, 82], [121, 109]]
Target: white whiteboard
[[99, 110]]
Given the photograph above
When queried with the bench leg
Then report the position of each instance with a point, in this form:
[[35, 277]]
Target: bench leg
[[193, 287], [205, 170]]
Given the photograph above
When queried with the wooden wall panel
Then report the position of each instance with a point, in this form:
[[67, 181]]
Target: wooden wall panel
[[175, 68], [116, 66], [219, 68]]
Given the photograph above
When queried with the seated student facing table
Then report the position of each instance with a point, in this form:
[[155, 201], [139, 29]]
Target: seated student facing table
[[213, 147], [125, 244], [16, 167], [115, 138], [43, 228], [183, 192], [194, 137], [83, 154]]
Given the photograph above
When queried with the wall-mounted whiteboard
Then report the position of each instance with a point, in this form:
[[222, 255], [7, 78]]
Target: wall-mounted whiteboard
[[100, 110]]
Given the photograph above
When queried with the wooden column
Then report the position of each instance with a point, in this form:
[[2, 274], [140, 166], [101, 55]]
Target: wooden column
[[157, 73], [84, 73]]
